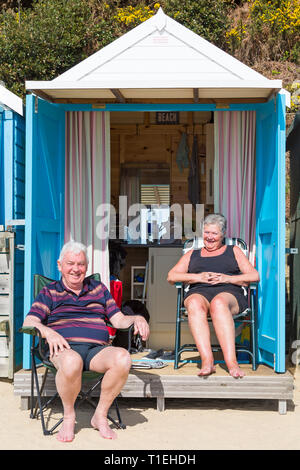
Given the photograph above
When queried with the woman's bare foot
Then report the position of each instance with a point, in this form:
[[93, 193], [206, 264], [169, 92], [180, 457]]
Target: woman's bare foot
[[206, 369], [101, 424], [235, 371], [66, 433]]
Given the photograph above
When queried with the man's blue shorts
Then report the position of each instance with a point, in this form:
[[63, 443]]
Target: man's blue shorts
[[86, 351]]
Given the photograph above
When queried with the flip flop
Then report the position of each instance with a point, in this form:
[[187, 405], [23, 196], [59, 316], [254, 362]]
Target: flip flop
[[154, 354], [148, 364]]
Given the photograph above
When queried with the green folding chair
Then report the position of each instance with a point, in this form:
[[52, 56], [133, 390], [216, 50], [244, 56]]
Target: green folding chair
[[247, 317], [38, 358]]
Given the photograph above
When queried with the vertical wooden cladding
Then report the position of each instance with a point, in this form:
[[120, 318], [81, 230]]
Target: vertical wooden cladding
[[137, 139]]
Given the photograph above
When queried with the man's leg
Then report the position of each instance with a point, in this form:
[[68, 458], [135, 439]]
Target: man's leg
[[115, 363], [68, 383], [197, 307]]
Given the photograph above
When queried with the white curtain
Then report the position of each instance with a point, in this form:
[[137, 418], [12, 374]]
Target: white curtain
[[234, 180], [87, 186]]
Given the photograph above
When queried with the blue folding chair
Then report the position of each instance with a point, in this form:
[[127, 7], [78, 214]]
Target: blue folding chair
[[247, 317]]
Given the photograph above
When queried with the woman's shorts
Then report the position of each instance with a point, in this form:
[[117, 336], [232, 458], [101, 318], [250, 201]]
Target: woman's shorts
[[86, 351], [209, 292]]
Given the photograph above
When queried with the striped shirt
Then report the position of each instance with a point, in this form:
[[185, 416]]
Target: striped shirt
[[76, 317]]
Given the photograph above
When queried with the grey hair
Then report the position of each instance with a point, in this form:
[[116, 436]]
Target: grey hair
[[74, 247], [216, 219]]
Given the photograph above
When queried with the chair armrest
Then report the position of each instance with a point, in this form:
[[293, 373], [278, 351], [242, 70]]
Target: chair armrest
[[29, 330], [35, 332], [129, 328], [178, 285]]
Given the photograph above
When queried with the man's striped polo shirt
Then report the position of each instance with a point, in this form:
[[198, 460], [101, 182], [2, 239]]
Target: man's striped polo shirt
[[76, 317]]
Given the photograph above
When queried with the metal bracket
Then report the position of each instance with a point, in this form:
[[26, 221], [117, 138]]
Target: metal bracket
[[20, 247], [292, 251], [36, 104], [14, 222]]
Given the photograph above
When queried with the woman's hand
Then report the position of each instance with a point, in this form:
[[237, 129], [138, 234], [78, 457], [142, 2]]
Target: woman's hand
[[218, 278], [212, 278]]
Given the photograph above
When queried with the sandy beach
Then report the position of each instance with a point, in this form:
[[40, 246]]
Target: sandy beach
[[186, 424]]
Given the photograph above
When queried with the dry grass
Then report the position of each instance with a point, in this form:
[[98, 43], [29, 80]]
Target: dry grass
[[288, 72]]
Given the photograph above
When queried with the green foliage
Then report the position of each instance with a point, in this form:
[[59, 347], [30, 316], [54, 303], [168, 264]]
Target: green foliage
[[207, 18], [134, 15], [294, 89], [270, 30], [41, 42], [49, 38]]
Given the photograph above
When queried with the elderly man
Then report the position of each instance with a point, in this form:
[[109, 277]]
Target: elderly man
[[70, 315]]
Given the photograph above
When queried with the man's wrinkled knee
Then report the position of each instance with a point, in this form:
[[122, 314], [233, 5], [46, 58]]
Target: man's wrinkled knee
[[122, 359], [70, 365]]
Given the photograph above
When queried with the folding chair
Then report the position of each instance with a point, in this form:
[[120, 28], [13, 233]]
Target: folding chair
[[247, 317], [37, 355]]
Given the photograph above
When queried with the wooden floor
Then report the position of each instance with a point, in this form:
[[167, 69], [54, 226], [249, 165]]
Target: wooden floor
[[184, 382]]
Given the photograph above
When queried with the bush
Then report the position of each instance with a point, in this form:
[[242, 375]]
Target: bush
[[49, 38], [270, 30], [207, 18]]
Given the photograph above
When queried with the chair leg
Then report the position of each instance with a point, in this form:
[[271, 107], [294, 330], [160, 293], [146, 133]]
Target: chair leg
[[254, 333], [34, 414], [255, 348], [32, 390], [178, 331], [39, 407], [36, 380], [86, 396], [119, 424]]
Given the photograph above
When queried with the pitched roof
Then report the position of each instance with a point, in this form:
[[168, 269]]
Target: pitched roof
[[10, 101], [159, 59]]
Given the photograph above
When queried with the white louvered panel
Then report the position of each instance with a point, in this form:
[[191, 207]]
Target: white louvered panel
[[155, 194]]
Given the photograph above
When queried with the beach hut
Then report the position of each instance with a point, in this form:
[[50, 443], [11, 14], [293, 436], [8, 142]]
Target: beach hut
[[12, 213], [124, 111]]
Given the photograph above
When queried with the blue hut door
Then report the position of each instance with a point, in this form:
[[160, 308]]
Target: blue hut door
[[2, 216], [270, 213], [44, 201], [13, 194]]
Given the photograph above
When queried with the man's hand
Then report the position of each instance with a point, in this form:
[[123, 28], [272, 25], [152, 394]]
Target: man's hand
[[141, 327], [55, 341], [119, 320]]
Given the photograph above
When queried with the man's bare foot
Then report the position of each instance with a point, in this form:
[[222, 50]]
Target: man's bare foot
[[235, 371], [206, 370], [66, 433], [101, 424]]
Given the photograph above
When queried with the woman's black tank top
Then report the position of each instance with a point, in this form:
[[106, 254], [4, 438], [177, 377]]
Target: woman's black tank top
[[224, 263]]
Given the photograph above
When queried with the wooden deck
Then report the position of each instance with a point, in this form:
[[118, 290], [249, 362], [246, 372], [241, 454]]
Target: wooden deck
[[167, 382]]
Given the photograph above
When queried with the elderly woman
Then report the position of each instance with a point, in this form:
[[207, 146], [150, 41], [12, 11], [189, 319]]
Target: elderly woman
[[216, 274]]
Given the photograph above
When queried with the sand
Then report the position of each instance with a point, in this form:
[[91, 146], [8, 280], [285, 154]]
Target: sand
[[186, 424]]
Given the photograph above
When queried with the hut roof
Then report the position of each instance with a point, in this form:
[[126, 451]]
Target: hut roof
[[158, 60]]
